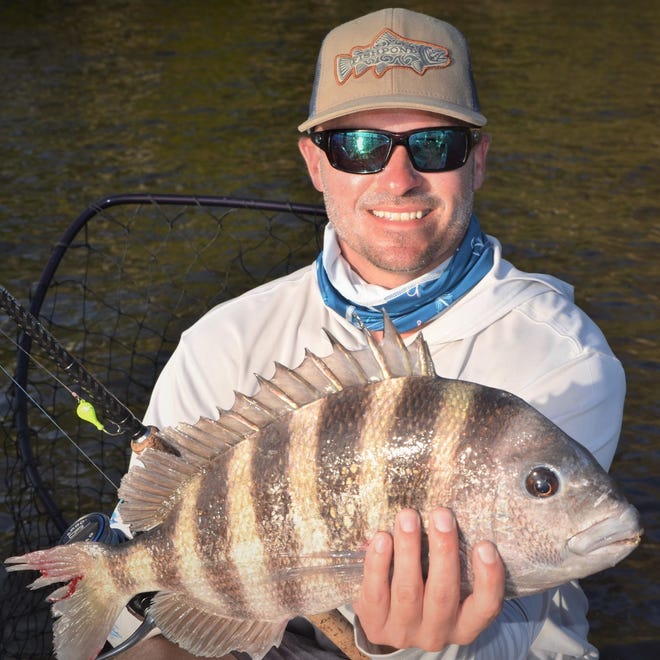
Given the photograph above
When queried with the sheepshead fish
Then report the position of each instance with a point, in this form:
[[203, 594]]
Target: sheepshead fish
[[264, 513]]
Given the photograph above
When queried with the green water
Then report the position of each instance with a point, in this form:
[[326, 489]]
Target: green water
[[204, 97]]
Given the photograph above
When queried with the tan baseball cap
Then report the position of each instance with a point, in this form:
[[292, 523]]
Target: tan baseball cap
[[394, 58]]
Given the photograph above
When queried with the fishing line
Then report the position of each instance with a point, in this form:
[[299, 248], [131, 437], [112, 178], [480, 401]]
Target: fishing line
[[40, 364], [57, 426], [113, 409], [84, 410]]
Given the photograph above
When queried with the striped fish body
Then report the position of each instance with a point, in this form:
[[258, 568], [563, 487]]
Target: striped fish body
[[301, 498], [304, 496], [265, 513]]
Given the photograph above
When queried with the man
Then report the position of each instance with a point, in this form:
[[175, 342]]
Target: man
[[394, 143]]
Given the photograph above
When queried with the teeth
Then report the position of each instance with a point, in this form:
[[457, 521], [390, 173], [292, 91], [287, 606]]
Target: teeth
[[399, 217]]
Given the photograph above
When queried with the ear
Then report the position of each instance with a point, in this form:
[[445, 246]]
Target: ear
[[479, 164], [312, 155]]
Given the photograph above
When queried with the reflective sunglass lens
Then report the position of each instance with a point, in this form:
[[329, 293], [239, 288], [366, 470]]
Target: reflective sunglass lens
[[359, 151], [429, 150], [438, 150]]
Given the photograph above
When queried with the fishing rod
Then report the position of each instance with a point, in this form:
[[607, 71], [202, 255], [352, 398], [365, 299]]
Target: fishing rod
[[113, 410], [141, 436]]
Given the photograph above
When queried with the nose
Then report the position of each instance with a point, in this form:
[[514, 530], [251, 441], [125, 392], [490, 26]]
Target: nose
[[399, 175]]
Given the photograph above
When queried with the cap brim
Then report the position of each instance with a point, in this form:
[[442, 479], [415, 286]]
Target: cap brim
[[405, 103]]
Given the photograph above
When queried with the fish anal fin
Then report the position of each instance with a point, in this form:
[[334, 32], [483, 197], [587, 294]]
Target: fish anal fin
[[192, 625]]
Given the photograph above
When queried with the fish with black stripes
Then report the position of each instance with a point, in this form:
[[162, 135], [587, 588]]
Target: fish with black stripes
[[264, 513]]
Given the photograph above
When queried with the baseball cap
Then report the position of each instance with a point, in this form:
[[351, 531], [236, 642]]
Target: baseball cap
[[394, 58]]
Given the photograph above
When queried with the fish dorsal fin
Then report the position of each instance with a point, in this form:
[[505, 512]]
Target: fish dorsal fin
[[150, 493], [389, 358], [290, 389]]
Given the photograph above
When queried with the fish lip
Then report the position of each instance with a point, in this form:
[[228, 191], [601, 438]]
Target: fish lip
[[611, 532]]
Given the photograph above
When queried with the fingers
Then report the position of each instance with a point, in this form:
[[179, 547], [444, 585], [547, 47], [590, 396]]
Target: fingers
[[407, 580], [391, 610], [483, 605], [407, 611], [390, 602], [374, 601], [443, 585]]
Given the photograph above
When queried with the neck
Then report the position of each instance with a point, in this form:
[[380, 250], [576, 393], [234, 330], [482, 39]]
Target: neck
[[409, 306]]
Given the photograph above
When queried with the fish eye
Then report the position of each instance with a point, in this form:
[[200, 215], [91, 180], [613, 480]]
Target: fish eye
[[542, 482]]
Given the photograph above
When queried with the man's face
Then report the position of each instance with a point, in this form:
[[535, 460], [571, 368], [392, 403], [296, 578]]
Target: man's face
[[399, 223]]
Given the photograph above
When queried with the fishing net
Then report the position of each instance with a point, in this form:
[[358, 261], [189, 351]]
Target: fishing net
[[126, 278]]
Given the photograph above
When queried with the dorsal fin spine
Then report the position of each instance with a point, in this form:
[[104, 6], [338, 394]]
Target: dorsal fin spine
[[392, 336], [251, 402], [378, 355], [350, 358], [324, 370], [277, 391], [241, 419], [294, 375], [427, 368], [226, 415]]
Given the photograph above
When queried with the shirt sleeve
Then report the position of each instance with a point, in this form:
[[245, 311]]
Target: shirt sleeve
[[584, 397], [510, 636], [547, 626]]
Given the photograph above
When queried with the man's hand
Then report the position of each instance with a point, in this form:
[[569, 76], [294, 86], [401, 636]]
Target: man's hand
[[430, 616]]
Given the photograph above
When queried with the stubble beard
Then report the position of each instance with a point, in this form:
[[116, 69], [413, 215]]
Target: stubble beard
[[399, 257]]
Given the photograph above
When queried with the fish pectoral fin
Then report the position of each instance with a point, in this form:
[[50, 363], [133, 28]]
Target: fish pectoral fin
[[192, 625], [345, 566]]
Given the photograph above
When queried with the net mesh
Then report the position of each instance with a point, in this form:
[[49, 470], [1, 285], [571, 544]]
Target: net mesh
[[131, 277]]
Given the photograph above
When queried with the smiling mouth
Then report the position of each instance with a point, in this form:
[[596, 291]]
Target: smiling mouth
[[399, 217]]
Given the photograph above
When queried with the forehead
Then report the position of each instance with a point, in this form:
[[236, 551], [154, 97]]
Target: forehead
[[391, 119]]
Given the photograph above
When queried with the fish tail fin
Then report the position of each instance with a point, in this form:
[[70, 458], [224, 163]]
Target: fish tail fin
[[87, 606], [344, 68]]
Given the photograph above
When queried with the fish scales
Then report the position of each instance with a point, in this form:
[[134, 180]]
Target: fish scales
[[247, 550], [312, 532], [265, 513], [276, 522], [344, 424], [462, 465], [197, 534], [407, 453], [298, 513]]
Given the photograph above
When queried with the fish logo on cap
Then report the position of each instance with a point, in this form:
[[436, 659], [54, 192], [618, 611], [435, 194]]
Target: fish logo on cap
[[387, 51]]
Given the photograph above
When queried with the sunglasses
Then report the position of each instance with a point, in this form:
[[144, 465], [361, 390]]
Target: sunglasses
[[367, 151]]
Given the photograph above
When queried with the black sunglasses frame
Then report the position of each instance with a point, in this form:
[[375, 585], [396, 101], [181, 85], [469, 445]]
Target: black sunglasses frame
[[322, 140]]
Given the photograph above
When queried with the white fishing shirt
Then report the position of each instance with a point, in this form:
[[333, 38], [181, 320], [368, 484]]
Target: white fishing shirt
[[515, 331]]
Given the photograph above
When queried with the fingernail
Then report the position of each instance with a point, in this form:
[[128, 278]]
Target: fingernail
[[487, 553], [409, 521], [443, 520], [380, 543]]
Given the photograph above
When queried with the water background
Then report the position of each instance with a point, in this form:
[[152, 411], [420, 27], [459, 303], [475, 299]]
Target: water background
[[199, 97]]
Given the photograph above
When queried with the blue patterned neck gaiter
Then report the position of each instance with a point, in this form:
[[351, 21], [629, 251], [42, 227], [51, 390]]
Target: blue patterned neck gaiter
[[422, 299]]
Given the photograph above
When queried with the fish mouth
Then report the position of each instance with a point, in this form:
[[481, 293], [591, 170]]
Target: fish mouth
[[617, 534]]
